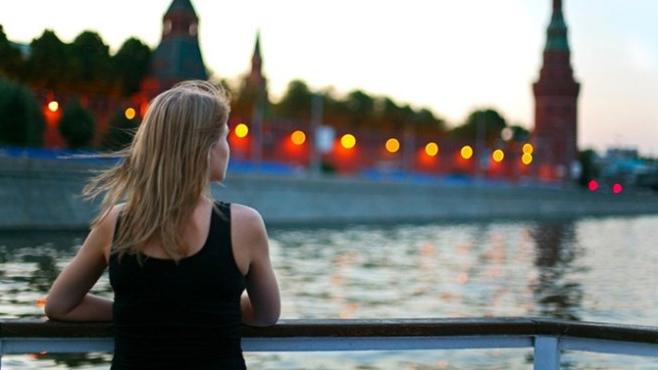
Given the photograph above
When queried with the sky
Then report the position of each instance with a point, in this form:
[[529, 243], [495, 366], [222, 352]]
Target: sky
[[450, 56]]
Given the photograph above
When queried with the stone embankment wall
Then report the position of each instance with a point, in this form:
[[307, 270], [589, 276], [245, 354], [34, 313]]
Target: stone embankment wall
[[45, 195]]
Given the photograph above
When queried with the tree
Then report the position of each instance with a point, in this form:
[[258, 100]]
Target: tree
[[120, 132], [77, 125], [10, 57], [131, 65], [21, 121], [296, 102], [427, 121], [48, 65], [520, 133], [91, 64], [589, 168], [361, 108], [489, 121]]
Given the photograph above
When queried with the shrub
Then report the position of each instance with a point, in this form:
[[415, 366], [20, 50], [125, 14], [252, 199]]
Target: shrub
[[21, 120], [77, 125]]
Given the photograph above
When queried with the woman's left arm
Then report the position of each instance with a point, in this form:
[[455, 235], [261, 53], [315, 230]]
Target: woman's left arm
[[68, 299]]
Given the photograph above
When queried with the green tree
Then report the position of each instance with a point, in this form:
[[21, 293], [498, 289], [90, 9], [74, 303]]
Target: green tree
[[77, 125], [131, 65], [48, 65], [91, 64], [361, 108], [296, 102], [428, 122], [10, 58], [589, 168], [489, 121], [21, 121], [120, 132], [520, 133]]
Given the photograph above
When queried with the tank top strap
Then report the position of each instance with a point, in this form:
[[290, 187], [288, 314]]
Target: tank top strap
[[224, 222]]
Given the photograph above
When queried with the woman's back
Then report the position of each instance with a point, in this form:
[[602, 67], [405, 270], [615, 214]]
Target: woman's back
[[180, 316]]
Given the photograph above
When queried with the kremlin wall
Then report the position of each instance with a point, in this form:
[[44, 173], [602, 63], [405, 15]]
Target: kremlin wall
[[41, 194], [394, 175]]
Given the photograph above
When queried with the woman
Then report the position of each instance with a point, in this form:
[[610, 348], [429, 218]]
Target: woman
[[179, 262]]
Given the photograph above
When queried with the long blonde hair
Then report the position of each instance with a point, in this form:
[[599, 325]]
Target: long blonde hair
[[165, 170]]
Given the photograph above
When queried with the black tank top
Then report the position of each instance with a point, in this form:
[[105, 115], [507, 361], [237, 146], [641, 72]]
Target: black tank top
[[179, 317]]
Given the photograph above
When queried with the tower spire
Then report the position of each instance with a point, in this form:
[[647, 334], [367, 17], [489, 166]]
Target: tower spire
[[556, 103]]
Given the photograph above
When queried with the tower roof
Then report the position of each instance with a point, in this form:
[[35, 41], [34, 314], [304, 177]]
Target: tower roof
[[257, 47], [557, 30], [184, 6]]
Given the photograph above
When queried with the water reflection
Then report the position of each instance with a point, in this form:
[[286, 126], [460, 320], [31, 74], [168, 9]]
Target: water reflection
[[573, 269], [556, 291]]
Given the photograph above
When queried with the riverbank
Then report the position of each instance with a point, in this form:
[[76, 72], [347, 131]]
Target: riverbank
[[44, 194]]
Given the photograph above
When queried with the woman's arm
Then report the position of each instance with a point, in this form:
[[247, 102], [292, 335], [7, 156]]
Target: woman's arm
[[68, 299], [261, 304]]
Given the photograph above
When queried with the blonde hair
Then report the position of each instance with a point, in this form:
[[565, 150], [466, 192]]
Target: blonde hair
[[165, 170]]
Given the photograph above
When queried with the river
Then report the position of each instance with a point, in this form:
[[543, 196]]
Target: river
[[593, 269]]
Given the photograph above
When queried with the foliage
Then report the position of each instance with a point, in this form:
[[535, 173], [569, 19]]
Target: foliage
[[488, 121], [21, 121], [77, 125], [120, 132], [91, 66], [131, 65], [589, 168], [296, 102], [48, 66], [10, 57]]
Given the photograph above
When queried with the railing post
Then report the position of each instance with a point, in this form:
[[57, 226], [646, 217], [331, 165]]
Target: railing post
[[547, 353]]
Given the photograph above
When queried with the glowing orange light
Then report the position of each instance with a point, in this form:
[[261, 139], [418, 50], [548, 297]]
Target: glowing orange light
[[528, 148], [298, 137], [526, 158], [432, 149], [53, 106], [466, 152], [617, 188], [498, 155], [592, 185], [348, 141], [392, 145], [130, 113], [41, 302], [241, 130]]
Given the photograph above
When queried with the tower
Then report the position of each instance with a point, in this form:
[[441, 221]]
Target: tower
[[178, 56], [556, 103], [255, 79]]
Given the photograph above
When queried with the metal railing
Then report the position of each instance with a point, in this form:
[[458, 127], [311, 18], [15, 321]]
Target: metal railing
[[547, 337]]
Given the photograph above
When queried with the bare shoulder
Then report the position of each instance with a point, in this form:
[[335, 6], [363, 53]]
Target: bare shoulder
[[245, 216], [247, 227], [105, 228], [109, 220]]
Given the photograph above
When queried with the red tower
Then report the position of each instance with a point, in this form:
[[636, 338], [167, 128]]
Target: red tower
[[556, 104], [178, 56], [255, 77]]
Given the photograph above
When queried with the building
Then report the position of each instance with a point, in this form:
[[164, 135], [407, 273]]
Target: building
[[178, 56], [555, 135]]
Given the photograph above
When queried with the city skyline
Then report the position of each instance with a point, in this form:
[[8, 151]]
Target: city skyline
[[410, 54]]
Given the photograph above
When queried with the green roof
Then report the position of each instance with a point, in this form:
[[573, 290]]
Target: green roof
[[181, 6], [557, 33], [178, 58]]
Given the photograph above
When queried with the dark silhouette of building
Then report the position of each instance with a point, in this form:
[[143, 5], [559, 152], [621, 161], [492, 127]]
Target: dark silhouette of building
[[556, 103], [255, 79], [178, 56]]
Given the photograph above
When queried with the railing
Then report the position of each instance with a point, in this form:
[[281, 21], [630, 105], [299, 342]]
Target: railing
[[548, 337]]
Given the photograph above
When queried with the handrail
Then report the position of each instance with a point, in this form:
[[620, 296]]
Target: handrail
[[547, 336]]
